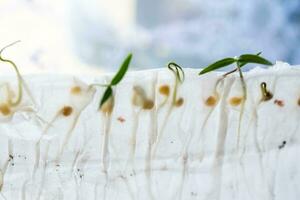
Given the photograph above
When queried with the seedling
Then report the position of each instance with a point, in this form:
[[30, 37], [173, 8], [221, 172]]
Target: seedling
[[140, 98], [176, 102], [266, 95], [108, 94], [179, 74], [240, 61], [141, 102], [10, 105], [20, 91], [106, 105], [80, 95]]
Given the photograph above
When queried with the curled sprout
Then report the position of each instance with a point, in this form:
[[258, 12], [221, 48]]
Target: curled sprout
[[177, 70], [179, 74], [266, 95], [165, 90], [20, 92], [13, 103]]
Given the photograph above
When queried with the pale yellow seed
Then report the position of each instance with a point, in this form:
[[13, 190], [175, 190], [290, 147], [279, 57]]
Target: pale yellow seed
[[164, 90], [76, 90], [108, 106], [280, 103], [235, 101], [148, 104], [5, 109], [66, 111], [179, 102], [211, 101], [139, 96]]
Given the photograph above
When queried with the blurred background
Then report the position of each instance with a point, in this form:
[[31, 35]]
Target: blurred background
[[80, 36]]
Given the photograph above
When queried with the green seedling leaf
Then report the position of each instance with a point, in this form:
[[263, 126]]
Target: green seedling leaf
[[123, 69], [107, 94], [217, 65], [177, 70], [116, 79], [244, 63], [250, 58]]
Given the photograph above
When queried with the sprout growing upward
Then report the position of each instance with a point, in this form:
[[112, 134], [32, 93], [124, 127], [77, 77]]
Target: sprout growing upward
[[116, 79], [179, 75], [240, 62], [176, 102], [19, 97]]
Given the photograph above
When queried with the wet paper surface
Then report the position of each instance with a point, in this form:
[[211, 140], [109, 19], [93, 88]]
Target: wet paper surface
[[196, 144]]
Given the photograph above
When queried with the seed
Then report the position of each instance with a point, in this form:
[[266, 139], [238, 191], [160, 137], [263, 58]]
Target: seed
[[164, 90], [148, 104], [75, 90], [211, 101], [266, 95], [137, 100], [67, 110], [235, 101], [5, 109], [179, 102], [299, 102], [121, 119], [279, 102], [139, 96], [108, 106]]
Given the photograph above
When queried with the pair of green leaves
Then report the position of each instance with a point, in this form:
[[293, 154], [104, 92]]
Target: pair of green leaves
[[177, 70], [240, 61], [116, 79]]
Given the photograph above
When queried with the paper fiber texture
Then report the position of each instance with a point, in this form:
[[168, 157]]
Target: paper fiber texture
[[204, 142]]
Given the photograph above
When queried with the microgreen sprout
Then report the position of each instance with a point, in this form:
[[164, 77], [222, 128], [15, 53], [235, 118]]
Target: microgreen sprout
[[179, 74], [19, 98], [177, 70], [116, 79], [240, 61], [165, 90], [266, 95]]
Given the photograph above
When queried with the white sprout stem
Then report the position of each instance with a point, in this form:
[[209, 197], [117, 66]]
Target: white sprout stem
[[244, 87], [105, 143], [44, 173], [37, 145], [105, 151], [208, 116], [132, 142], [67, 137], [185, 157], [159, 137], [152, 136], [19, 97]]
